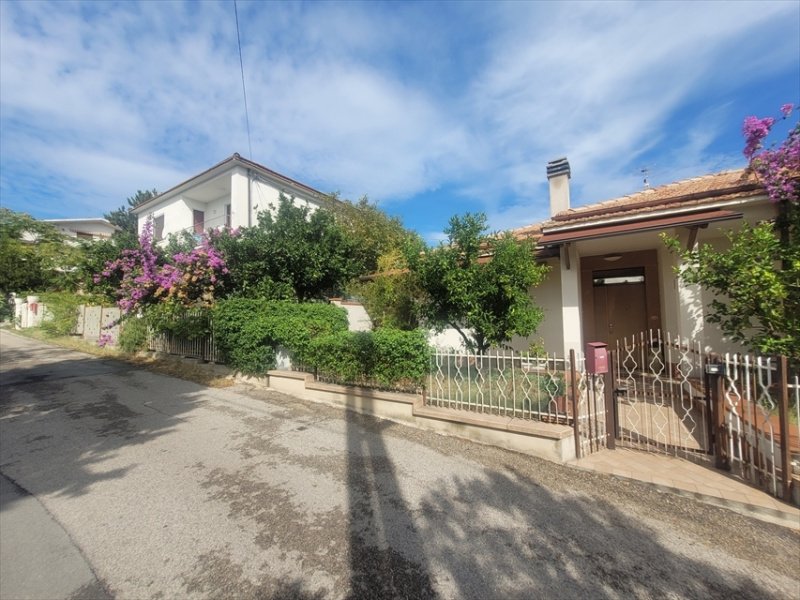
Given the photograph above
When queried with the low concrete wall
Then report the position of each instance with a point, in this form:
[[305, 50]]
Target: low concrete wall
[[93, 321], [545, 440]]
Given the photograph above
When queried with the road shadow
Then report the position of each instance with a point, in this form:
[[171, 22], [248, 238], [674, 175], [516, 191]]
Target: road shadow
[[60, 419], [385, 551], [502, 535]]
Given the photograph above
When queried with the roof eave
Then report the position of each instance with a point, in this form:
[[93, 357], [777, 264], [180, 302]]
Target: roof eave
[[218, 169]]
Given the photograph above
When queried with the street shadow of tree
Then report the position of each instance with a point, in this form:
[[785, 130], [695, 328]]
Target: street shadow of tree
[[501, 536], [48, 454]]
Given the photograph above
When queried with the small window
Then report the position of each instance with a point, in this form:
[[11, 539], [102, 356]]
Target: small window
[[158, 228], [228, 216], [618, 277]]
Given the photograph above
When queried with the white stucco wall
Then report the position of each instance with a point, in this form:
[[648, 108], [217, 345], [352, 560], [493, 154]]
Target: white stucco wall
[[548, 297], [176, 212], [247, 193], [267, 196]]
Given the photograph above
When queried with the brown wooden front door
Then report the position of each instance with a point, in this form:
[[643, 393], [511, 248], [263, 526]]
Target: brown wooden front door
[[620, 296], [620, 305]]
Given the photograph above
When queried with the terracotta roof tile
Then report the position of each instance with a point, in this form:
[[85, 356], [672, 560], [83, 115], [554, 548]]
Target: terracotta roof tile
[[697, 191]]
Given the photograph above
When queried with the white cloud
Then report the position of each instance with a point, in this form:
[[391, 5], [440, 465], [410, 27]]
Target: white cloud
[[387, 101]]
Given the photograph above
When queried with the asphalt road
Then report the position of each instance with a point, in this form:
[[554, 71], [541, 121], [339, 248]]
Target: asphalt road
[[162, 488]]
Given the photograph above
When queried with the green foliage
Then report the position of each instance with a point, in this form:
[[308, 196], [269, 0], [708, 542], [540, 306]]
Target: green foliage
[[390, 295], [296, 254], [133, 335], [185, 242], [62, 308], [346, 355], [478, 282], [390, 357], [757, 284], [123, 218], [33, 256], [172, 317], [373, 232], [400, 356], [96, 254], [247, 330]]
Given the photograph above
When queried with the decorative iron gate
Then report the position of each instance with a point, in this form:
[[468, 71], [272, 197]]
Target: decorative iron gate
[[759, 425], [661, 399], [670, 397], [588, 399]]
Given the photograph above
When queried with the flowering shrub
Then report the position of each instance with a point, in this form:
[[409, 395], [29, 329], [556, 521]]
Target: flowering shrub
[[755, 280], [777, 168], [147, 277]]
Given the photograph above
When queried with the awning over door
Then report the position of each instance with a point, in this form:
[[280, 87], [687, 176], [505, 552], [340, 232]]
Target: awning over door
[[549, 238]]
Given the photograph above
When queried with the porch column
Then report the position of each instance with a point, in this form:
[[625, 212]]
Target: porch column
[[691, 321], [240, 205], [571, 299]]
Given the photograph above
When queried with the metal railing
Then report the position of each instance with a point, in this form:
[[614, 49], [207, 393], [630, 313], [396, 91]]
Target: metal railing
[[760, 402], [505, 383], [202, 347]]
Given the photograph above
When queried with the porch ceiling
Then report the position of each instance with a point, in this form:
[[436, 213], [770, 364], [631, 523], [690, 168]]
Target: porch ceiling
[[550, 238], [210, 190]]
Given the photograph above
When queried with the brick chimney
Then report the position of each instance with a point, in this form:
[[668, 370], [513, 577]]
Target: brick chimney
[[558, 173]]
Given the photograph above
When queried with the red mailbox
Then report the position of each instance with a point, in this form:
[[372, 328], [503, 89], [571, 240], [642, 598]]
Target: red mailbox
[[596, 357]]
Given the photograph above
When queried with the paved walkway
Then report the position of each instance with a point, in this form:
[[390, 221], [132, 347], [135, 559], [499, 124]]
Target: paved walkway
[[697, 480]]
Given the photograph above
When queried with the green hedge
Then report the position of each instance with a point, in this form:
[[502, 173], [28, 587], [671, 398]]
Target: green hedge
[[248, 330], [389, 357], [401, 356], [133, 334]]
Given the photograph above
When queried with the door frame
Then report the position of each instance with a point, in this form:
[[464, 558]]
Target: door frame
[[645, 259]]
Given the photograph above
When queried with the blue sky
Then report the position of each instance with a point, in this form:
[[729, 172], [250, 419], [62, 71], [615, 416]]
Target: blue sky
[[430, 109]]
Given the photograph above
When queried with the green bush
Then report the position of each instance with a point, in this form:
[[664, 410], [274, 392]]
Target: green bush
[[63, 310], [347, 355], [248, 330], [171, 317], [401, 356], [389, 357], [133, 334]]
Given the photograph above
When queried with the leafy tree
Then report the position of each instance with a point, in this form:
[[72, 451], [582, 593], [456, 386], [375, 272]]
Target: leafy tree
[[372, 231], [296, 254], [123, 218], [390, 295], [478, 282], [95, 256], [33, 256], [757, 279], [387, 289]]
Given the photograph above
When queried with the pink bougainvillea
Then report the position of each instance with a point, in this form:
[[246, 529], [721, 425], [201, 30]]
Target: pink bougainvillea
[[188, 278], [778, 168]]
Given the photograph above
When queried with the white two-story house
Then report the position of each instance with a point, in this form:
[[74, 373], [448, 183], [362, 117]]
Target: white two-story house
[[229, 194]]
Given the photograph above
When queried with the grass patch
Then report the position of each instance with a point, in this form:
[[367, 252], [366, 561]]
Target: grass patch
[[173, 366]]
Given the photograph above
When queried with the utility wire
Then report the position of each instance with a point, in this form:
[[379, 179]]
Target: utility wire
[[244, 90]]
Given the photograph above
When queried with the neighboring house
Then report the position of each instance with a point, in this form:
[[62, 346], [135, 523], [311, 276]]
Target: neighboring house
[[82, 229], [229, 194], [612, 276]]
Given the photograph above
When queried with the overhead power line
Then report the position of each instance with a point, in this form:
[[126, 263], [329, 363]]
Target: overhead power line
[[244, 89]]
